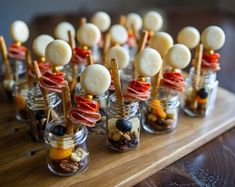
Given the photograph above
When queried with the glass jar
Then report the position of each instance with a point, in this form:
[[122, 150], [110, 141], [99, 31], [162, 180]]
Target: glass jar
[[67, 154], [20, 96], [38, 109], [160, 115], [202, 101], [19, 70], [123, 133]]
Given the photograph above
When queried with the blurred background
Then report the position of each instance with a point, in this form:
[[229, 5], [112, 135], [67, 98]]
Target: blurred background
[[28, 10], [42, 17]]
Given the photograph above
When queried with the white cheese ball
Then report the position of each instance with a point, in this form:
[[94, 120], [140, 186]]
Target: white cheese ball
[[189, 36], [118, 34], [40, 43], [58, 52], [88, 34], [101, 20], [61, 31], [178, 56], [213, 38], [153, 21], [161, 42], [19, 31], [95, 79], [120, 54], [133, 20], [148, 62]]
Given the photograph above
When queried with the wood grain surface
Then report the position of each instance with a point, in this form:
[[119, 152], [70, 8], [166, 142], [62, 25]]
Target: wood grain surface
[[23, 162]]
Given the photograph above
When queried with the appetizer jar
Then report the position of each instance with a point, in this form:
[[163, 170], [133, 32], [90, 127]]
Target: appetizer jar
[[67, 154], [201, 102], [38, 111], [20, 96], [160, 115], [123, 133]]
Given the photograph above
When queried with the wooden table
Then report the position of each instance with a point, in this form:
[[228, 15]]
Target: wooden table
[[211, 165]]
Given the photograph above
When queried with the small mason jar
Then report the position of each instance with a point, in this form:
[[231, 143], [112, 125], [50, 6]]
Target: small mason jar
[[123, 133], [68, 154], [19, 70], [202, 101], [38, 109], [20, 96], [160, 115]]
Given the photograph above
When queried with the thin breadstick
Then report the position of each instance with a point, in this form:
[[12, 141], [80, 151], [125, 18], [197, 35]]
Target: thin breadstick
[[8, 73], [156, 83], [66, 99], [117, 85], [143, 41], [90, 60]]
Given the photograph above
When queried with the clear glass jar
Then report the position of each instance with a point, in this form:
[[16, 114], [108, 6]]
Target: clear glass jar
[[37, 110], [160, 115], [20, 96], [202, 101], [123, 133], [67, 154], [19, 70]]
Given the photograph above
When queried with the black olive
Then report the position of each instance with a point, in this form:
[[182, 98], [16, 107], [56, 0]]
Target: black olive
[[203, 93], [39, 115], [123, 125], [59, 130]]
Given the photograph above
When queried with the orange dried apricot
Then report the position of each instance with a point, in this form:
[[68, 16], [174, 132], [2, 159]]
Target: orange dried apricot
[[157, 108], [20, 102], [59, 154]]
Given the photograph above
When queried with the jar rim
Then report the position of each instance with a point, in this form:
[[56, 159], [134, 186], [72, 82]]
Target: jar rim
[[80, 136], [36, 101]]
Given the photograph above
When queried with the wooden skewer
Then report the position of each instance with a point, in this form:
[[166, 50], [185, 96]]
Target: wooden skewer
[[74, 66], [143, 41], [197, 66], [156, 83], [122, 20], [66, 98], [29, 66], [38, 76], [71, 40], [8, 73], [90, 60], [83, 21], [117, 85]]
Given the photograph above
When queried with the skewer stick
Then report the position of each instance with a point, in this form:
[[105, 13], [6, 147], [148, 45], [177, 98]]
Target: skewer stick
[[117, 85], [8, 73], [143, 41], [83, 21], [29, 66], [156, 83], [71, 39], [122, 20], [107, 43], [197, 66], [38, 76], [90, 60], [66, 98], [74, 66]]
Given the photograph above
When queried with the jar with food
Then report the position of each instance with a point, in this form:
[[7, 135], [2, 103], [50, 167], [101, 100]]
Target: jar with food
[[201, 102], [123, 132], [160, 114], [67, 154], [20, 96], [39, 111]]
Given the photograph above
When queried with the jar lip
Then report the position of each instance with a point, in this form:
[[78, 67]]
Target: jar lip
[[80, 136], [168, 98], [113, 99], [35, 99]]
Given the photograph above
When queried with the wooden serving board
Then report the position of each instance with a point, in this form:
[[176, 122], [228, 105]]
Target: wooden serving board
[[23, 162]]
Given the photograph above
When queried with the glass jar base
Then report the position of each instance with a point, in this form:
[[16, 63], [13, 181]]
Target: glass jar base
[[56, 170], [21, 118], [151, 130]]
